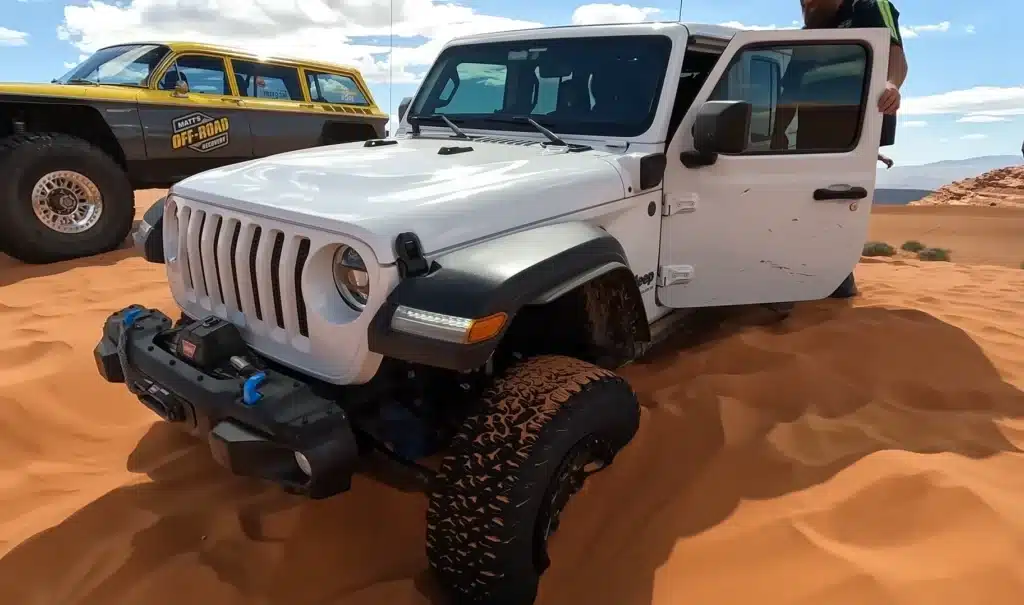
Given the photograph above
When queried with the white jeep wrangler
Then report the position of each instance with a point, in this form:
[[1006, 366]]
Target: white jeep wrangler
[[461, 293]]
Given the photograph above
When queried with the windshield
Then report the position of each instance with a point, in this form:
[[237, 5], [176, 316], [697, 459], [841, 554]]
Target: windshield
[[128, 65], [601, 86]]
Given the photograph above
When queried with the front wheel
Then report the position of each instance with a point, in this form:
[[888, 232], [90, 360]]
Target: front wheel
[[542, 428], [61, 198]]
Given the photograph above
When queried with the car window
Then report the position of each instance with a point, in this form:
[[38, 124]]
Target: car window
[[129, 64], [763, 94], [824, 84], [602, 85], [481, 89], [265, 81], [334, 88], [203, 74]]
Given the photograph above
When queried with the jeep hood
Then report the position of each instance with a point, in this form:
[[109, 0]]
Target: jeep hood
[[445, 195]]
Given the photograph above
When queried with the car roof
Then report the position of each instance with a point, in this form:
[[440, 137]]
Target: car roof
[[703, 30], [199, 47]]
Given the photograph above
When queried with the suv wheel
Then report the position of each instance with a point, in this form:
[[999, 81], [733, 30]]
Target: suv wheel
[[542, 428], [61, 198]]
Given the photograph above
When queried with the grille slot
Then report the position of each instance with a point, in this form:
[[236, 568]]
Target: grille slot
[[235, 266]]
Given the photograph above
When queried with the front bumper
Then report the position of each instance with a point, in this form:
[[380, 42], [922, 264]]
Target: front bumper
[[260, 439]]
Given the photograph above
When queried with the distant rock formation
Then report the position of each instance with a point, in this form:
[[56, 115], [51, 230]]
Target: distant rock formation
[[1003, 187]]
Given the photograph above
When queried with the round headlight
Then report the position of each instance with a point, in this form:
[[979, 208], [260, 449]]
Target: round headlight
[[351, 278]]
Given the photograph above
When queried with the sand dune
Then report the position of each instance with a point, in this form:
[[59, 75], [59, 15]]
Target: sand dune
[[857, 453]]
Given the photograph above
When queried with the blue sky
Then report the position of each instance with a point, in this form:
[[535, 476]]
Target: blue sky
[[964, 96]]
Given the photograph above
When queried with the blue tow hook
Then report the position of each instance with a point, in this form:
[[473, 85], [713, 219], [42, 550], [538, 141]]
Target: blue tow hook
[[250, 390], [130, 317]]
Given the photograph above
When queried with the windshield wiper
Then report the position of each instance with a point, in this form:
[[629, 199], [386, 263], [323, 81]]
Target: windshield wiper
[[82, 81], [440, 117], [552, 137]]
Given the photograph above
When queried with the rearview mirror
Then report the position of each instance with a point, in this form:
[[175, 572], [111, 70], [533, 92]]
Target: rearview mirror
[[720, 127]]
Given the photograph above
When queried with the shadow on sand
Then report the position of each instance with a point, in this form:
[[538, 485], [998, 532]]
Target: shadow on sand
[[192, 531], [13, 271]]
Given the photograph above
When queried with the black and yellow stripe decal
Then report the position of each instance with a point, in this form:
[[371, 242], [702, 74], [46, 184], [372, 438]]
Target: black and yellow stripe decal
[[885, 8]]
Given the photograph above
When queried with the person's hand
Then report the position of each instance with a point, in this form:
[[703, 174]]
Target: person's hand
[[889, 102]]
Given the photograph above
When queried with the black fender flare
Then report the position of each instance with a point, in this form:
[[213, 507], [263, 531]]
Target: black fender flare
[[148, 235], [501, 275]]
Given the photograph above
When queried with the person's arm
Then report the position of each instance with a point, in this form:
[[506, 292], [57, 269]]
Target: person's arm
[[881, 13], [897, 73]]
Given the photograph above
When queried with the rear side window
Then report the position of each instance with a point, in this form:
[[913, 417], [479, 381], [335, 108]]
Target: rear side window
[[265, 81], [334, 88]]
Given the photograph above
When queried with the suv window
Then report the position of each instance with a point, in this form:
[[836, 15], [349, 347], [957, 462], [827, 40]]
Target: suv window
[[825, 85], [601, 86], [334, 88], [129, 64], [264, 81], [203, 74]]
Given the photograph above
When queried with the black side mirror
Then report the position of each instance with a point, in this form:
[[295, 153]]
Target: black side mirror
[[149, 235], [720, 127], [403, 107]]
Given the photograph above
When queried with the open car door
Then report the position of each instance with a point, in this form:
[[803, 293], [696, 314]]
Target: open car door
[[784, 219]]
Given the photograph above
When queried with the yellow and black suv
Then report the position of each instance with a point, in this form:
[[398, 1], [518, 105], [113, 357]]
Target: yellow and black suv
[[139, 116]]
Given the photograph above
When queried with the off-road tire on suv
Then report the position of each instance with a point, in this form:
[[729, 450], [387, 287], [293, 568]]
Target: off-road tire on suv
[[541, 429], [24, 160]]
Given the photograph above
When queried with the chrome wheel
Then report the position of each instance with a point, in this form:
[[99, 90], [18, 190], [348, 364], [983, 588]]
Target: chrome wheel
[[67, 202]]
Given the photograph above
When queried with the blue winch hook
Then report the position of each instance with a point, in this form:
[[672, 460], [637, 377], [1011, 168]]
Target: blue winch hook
[[250, 390]]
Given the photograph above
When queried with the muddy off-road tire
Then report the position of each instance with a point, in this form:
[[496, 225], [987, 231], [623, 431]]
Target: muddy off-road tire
[[541, 428], [89, 204]]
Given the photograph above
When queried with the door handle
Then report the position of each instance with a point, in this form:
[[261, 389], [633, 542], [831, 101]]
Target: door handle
[[840, 192]]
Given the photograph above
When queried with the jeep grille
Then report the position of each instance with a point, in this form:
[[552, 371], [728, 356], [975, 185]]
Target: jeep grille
[[236, 267]]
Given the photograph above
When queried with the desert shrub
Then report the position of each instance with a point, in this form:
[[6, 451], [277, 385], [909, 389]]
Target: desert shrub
[[913, 246], [939, 254], [878, 249]]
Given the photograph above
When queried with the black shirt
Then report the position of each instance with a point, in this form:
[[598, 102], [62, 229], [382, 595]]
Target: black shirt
[[869, 13]]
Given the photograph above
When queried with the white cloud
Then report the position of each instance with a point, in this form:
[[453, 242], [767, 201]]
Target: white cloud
[[974, 137], [739, 25], [12, 37], [913, 31], [969, 29], [980, 100], [315, 29], [914, 124], [982, 119], [591, 14]]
